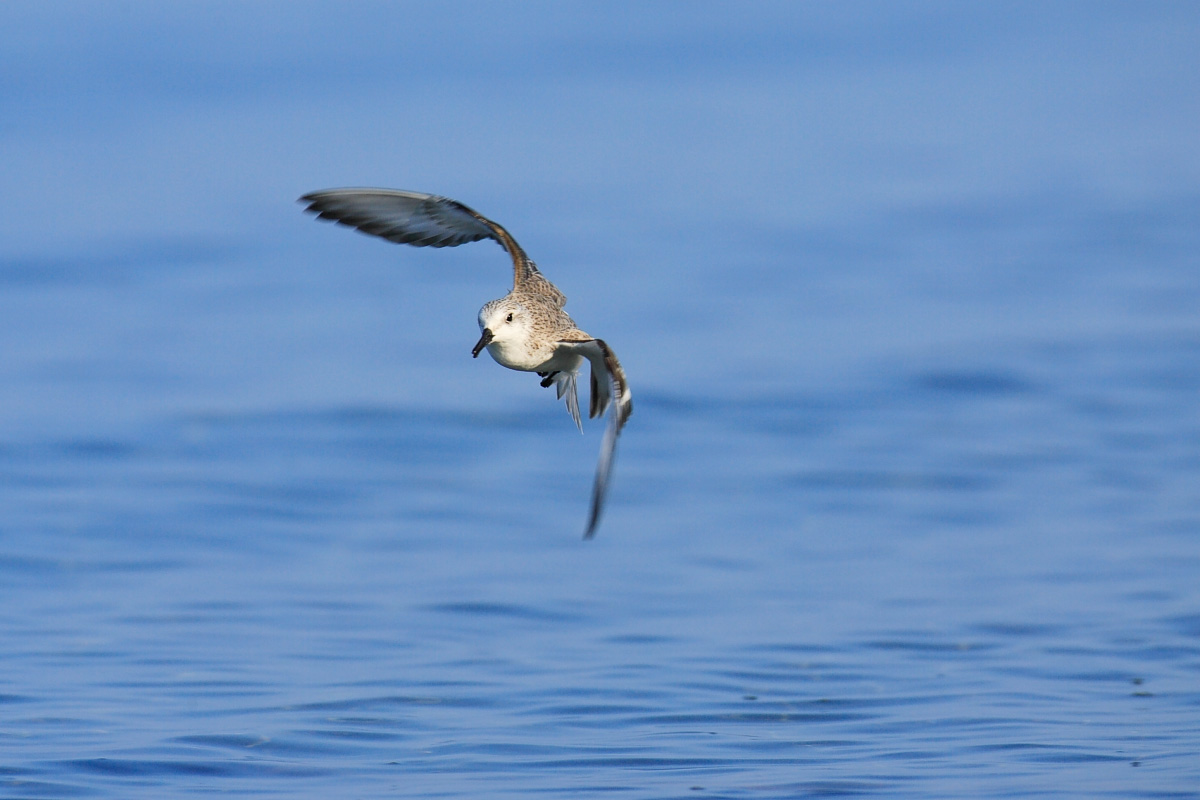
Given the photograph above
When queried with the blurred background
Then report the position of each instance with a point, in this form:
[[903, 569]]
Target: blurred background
[[907, 295]]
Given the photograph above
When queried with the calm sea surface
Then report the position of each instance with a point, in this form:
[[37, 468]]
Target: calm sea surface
[[909, 506]]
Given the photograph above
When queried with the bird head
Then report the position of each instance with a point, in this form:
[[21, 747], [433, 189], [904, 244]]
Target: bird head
[[501, 321]]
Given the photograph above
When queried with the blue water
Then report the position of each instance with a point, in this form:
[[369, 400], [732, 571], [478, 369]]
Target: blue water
[[909, 505]]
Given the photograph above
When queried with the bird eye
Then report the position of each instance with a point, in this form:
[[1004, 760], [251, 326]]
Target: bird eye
[[508, 318]]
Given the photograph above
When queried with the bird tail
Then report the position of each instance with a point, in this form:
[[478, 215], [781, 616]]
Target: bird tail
[[564, 384]]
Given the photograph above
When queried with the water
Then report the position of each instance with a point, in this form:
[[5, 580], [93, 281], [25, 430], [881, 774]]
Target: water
[[907, 508]]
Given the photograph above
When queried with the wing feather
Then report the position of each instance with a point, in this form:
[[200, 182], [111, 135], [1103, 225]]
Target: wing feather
[[415, 218], [609, 388]]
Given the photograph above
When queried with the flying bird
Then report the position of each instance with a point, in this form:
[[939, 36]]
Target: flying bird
[[526, 330]]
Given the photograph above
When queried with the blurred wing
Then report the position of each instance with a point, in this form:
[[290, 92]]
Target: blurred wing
[[609, 388], [422, 220], [608, 452]]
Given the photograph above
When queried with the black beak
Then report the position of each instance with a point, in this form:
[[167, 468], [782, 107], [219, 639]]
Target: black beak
[[483, 342]]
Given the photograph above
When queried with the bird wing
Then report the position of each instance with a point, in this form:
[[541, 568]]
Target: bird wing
[[422, 220], [609, 389]]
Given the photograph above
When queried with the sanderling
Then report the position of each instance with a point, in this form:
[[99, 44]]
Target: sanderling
[[525, 330]]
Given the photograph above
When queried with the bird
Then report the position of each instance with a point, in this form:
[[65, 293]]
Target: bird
[[526, 330]]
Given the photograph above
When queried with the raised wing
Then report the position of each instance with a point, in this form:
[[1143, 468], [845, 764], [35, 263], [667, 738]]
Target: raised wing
[[422, 220], [609, 389]]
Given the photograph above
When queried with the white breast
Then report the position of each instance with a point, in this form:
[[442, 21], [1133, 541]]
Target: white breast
[[515, 355]]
